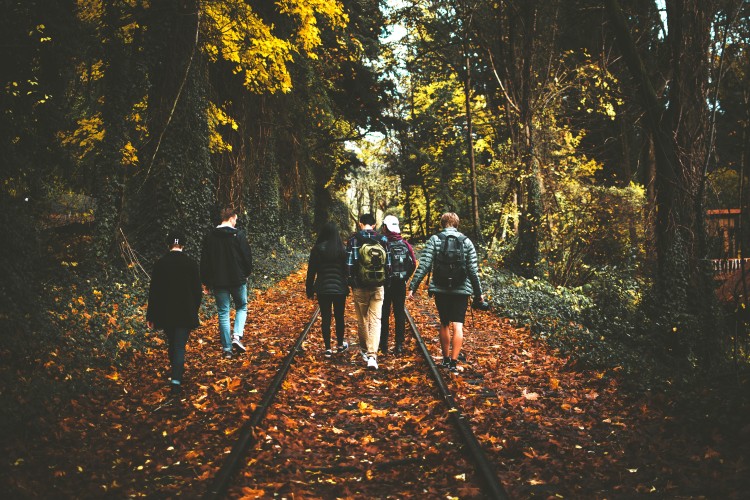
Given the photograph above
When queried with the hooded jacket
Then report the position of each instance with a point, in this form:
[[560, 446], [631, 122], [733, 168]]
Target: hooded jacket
[[175, 294], [226, 260], [471, 285]]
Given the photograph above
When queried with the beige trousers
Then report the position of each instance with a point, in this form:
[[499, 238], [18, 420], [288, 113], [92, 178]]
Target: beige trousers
[[368, 303]]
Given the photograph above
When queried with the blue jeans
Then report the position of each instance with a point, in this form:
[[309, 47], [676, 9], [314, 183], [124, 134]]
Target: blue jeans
[[176, 340], [239, 296]]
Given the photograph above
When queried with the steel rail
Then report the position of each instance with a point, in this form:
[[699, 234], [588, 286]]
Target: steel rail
[[220, 485], [490, 483]]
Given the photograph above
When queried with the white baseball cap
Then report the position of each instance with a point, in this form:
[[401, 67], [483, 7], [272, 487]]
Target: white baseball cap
[[391, 222]]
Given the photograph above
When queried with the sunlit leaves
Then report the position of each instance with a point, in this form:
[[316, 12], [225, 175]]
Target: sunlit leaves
[[239, 35]]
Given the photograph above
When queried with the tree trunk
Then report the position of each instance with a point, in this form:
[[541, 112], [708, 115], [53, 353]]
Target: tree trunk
[[682, 285], [470, 149]]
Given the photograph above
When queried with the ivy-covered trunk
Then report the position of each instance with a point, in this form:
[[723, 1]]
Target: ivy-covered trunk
[[175, 188], [119, 96]]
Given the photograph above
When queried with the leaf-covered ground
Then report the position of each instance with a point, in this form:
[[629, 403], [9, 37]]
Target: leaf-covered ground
[[338, 430]]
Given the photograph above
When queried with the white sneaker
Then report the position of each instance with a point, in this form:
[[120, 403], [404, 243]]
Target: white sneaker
[[372, 363], [237, 344], [365, 357]]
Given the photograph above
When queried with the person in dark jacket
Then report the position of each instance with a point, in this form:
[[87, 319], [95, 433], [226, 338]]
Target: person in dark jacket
[[226, 263], [326, 278], [403, 263], [173, 300], [451, 302]]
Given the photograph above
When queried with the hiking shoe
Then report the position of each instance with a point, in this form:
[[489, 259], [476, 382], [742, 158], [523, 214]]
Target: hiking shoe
[[462, 357], [453, 366], [343, 347], [237, 344], [446, 362], [227, 354], [328, 353], [372, 363]]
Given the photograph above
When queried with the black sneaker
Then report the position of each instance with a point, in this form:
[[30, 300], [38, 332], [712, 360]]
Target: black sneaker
[[175, 389], [398, 350], [343, 347], [462, 357], [328, 353], [452, 366], [446, 362], [227, 355]]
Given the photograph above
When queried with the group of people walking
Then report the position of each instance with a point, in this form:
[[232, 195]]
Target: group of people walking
[[178, 285], [376, 266]]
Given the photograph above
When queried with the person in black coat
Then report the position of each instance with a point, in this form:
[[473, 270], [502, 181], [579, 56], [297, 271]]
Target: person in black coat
[[226, 263], [327, 278], [173, 300]]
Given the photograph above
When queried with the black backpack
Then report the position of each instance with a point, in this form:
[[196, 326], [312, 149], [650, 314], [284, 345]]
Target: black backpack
[[371, 262], [449, 263], [401, 263]]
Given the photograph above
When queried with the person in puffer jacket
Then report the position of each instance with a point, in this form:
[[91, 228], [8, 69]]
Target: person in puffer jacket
[[226, 263], [327, 278], [451, 302]]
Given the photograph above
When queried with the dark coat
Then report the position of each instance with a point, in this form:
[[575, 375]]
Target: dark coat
[[226, 260], [175, 293], [326, 276]]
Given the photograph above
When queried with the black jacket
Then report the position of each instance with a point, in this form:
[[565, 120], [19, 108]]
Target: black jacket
[[324, 275], [226, 260], [175, 293]]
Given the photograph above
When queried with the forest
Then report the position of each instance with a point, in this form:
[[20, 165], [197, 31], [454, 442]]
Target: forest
[[596, 153]]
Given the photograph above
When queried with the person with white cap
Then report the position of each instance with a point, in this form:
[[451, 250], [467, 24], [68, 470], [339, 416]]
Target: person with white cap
[[403, 264]]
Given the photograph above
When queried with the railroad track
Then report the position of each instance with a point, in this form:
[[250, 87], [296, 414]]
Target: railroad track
[[484, 474]]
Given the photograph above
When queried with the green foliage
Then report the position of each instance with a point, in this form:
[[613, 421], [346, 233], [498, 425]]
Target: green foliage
[[595, 324], [724, 190]]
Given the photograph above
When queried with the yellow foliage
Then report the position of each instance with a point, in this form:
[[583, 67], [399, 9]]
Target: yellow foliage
[[239, 36], [90, 11], [218, 116], [91, 73], [129, 154], [86, 137]]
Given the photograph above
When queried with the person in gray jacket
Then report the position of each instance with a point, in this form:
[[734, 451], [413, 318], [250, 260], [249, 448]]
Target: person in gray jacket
[[451, 298]]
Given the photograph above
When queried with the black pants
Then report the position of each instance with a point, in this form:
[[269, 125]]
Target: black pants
[[177, 340], [395, 295], [326, 303]]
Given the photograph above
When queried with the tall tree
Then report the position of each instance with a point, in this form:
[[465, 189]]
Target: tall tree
[[678, 125]]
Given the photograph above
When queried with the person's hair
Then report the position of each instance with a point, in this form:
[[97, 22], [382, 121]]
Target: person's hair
[[329, 241], [367, 219], [227, 213], [449, 219]]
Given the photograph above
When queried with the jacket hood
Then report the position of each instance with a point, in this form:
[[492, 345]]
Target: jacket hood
[[225, 231]]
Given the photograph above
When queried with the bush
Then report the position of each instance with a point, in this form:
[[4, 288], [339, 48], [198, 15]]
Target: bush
[[595, 324]]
